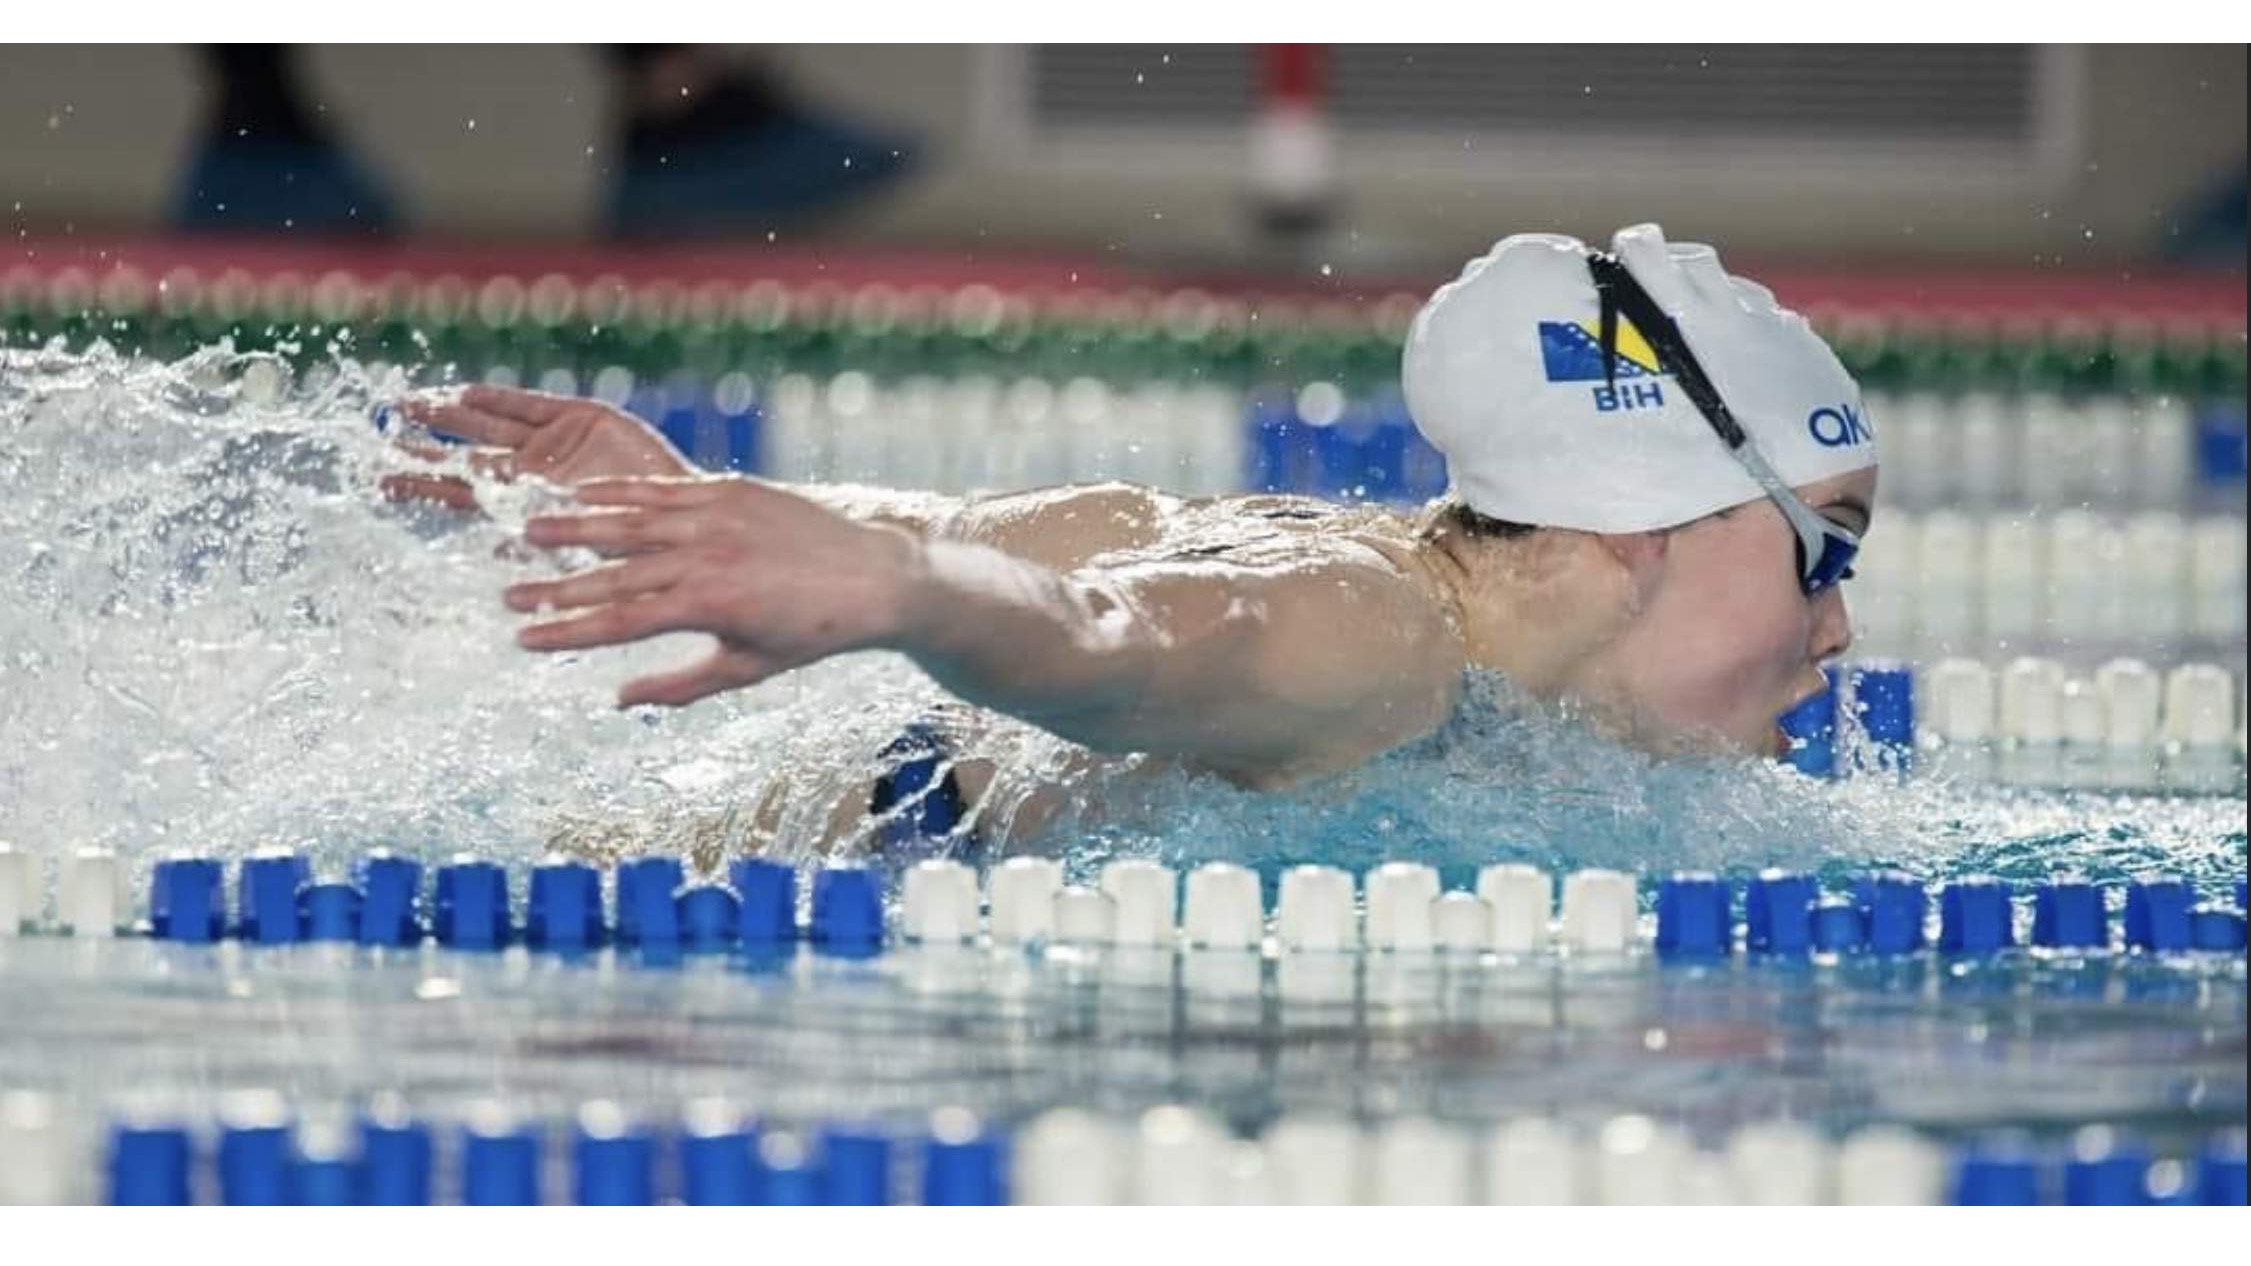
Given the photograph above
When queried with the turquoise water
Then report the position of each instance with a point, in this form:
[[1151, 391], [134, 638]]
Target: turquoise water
[[215, 635], [1509, 781], [800, 1038]]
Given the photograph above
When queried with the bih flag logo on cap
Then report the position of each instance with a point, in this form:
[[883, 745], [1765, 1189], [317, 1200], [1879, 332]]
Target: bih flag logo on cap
[[1571, 351]]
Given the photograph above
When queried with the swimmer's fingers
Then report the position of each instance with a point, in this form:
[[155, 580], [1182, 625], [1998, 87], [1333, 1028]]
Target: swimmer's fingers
[[614, 582], [612, 625], [445, 490], [495, 463], [469, 422], [656, 493], [423, 450], [724, 670], [611, 532], [527, 408]]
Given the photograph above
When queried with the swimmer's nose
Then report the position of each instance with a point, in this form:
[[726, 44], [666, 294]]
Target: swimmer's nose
[[1832, 625]]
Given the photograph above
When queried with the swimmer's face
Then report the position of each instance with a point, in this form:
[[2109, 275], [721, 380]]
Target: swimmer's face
[[1725, 640]]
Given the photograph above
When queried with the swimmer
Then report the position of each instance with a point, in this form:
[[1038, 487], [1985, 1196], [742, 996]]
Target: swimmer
[[1660, 478]]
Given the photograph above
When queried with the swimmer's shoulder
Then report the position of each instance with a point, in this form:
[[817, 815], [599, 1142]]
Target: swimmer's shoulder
[[1069, 525], [1121, 524], [1270, 524]]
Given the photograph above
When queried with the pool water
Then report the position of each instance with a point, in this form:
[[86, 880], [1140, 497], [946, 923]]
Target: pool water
[[220, 637], [216, 637]]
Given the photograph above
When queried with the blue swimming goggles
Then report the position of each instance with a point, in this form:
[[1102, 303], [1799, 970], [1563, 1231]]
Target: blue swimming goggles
[[1825, 550]]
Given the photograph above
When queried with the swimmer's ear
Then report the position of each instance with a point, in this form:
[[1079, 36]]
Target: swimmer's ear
[[1640, 557]]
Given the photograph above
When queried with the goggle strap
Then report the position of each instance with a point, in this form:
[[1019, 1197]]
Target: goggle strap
[[1812, 530], [1618, 291]]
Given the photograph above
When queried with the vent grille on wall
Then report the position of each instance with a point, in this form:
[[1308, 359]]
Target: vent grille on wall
[[1980, 94]]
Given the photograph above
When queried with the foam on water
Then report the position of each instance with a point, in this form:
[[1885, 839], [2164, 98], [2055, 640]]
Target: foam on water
[[1510, 780], [215, 633], [219, 635]]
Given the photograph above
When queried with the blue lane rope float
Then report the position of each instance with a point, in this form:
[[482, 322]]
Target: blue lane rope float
[[1778, 913], [1839, 927], [330, 912], [184, 900], [768, 893], [395, 1156], [2160, 916], [1692, 917], [1975, 916], [266, 900], [500, 1162], [659, 914], [148, 1164], [2000, 1170], [646, 912], [710, 917], [563, 912], [390, 899], [847, 909], [470, 907], [613, 1158], [714, 1154], [1896, 909], [2069, 914]]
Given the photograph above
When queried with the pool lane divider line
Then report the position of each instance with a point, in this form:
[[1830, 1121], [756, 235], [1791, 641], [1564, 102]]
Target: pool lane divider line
[[1399, 907], [254, 1148]]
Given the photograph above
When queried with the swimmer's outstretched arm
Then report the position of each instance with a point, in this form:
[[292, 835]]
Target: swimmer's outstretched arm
[[1263, 673], [569, 441]]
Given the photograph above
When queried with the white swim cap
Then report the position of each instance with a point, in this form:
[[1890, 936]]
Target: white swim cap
[[1504, 376]]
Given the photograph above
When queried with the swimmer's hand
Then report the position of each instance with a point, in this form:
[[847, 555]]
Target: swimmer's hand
[[780, 581], [562, 439]]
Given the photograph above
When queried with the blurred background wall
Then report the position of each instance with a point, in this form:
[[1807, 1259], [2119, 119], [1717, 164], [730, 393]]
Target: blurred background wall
[[2017, 155]]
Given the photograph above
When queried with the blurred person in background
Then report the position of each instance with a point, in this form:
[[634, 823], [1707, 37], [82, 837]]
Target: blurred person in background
[[706, 145]]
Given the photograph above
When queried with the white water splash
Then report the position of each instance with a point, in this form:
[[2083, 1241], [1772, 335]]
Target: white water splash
[[216, 634]]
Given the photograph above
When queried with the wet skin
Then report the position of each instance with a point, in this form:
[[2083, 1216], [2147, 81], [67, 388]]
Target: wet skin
[[1266, 639]]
